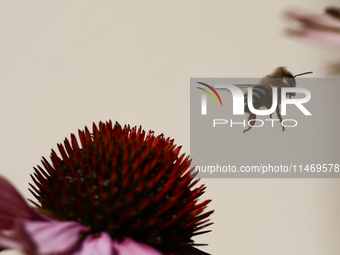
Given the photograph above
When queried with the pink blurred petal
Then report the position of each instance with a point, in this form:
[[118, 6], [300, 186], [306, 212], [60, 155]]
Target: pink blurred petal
[[13, 206], [13, 239], [314, 20], [318, 36], [321, 29], [52, 236], [130, 247], [93, 245], [8, 240], [26, 230]]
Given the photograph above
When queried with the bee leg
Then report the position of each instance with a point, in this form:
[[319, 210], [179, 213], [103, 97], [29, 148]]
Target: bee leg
[[268, 107], [279, 116], [251, 122]]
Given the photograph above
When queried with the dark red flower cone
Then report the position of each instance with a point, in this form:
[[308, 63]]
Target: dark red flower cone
[[126, 183]]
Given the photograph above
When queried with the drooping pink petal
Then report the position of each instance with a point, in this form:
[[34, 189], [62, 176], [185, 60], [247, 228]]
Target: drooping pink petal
[[314, 20], [13, 206], [51, 237], [9, 240], [318, 36], [130, 247], [24, 229], [93, 245], [321, 29]]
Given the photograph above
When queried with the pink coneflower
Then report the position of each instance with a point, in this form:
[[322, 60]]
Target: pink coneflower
[[120, 192], [322, 29]]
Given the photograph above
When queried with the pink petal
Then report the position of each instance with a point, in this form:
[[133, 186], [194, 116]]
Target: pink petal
[[318, 36], [13, 239], [9, 240], [52, 236], [93, 245], [314, 20], [24, 229], [322, 29], [130, 247], [13, 206]]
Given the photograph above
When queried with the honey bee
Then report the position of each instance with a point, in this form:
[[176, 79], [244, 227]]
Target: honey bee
[[262, 93]]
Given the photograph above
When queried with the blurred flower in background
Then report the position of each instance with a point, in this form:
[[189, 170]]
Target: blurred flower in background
[[122, 192], [322, 29]]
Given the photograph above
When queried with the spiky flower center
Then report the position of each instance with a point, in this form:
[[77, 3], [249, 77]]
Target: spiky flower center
[[124, 182]]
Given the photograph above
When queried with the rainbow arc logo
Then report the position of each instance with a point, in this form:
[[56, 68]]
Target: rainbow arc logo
[[212, 89]]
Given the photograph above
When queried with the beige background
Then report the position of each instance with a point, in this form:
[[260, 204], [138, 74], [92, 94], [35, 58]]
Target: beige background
[[65, 64]]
